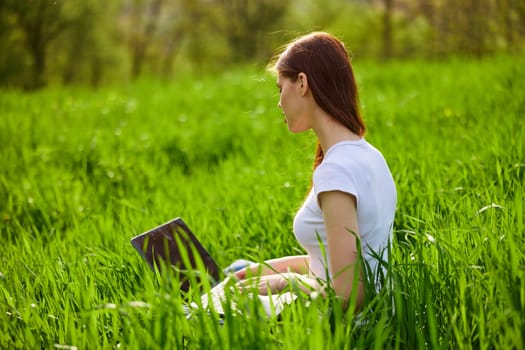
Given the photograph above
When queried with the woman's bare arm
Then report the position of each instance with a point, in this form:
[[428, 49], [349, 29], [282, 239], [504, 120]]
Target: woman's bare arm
[[340, 217], [295, 263]]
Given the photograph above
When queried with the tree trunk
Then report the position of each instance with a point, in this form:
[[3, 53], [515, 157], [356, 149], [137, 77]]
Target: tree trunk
[[39, 66], [143, 40], [428, 9], [477, 26], [387, 29], [171, 49], [37, 46], [97, 71]]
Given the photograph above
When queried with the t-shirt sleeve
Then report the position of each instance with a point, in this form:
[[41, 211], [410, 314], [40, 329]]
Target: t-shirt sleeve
[[333, 177]]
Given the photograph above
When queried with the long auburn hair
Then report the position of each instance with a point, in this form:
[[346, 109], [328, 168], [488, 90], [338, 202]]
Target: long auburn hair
[[326, 63]]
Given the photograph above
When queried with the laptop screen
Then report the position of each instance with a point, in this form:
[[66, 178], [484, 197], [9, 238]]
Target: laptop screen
[[173, 244]]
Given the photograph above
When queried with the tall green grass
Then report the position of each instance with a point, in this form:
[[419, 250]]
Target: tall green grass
[[83, 171]]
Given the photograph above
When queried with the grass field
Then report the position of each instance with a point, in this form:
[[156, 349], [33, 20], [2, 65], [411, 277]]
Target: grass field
[[83, 171]]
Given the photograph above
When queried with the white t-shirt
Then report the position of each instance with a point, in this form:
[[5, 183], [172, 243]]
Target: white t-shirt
[[357, 168]]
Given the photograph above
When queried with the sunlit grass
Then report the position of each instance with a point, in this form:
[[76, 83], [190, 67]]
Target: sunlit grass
[[83, 171]]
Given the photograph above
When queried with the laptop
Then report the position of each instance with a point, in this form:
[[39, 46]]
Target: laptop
[[174, 245]]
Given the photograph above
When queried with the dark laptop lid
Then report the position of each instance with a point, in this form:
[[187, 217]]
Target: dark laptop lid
[[168, 243]]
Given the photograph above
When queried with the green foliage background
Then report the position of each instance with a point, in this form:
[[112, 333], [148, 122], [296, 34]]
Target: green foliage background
[[83, 171], [96, 42]]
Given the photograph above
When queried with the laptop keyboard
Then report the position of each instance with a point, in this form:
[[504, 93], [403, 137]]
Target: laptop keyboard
[[272, 305], [218, 298]]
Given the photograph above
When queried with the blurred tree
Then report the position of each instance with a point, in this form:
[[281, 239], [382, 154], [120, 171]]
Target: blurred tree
[[474, 27], [512, 15], [144, 18], [477, 26], [159, 31], [427, 8], [41, 22], [247, 22], [175, 31], [13, 65], [197, 24], [90, 40], [89, 46], [388, 36]]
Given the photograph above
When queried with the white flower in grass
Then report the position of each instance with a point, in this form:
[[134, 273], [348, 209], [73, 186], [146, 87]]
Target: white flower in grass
[[63, 346], [138, 303], [492, 205], [314, 295]]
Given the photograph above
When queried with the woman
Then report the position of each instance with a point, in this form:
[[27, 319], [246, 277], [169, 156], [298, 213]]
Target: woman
[[353, 196]]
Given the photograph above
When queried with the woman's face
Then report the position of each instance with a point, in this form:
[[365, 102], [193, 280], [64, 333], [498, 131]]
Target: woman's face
[[292, 103]]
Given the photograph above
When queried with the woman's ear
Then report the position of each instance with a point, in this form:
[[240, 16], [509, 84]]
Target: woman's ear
[[303, 83]]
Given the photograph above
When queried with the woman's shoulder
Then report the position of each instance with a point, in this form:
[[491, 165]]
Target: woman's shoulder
[[352, 157], [350, 151]]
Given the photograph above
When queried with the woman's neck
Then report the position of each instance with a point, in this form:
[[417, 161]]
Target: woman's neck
[[329, 131]]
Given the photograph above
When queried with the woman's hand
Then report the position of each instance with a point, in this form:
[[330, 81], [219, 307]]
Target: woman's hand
[[294, 263], [278, 282], [268, 284], [241, 274]]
